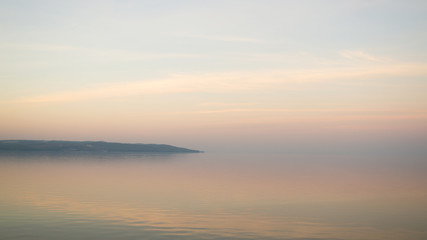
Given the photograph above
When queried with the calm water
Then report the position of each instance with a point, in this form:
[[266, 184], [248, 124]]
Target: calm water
[[212, 196]]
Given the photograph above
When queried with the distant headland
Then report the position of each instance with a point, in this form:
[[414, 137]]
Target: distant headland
[[88, 146]]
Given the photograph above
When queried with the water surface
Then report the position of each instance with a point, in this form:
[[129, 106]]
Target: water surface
[[212, 196]]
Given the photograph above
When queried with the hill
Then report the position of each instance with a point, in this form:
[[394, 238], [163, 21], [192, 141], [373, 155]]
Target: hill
[[90, 146]]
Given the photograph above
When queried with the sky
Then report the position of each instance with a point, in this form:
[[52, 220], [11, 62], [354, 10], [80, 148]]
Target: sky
[[236, 75]]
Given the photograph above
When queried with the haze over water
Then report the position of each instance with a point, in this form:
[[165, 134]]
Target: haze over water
[[212, 196]]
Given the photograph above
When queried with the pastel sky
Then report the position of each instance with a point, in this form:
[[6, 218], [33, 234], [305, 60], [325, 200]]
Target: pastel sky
[[234, 75]]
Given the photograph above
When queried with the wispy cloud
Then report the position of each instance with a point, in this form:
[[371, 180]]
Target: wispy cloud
[[234, 82], [101, 53], [226, 104], [360, 55], [223, 38], [328, 111], [113, 90]]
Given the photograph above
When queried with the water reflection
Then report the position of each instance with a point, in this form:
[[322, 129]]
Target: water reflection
[[45, 156], [211, 196]]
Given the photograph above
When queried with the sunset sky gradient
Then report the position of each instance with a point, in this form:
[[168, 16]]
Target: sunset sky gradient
[[282, 76]]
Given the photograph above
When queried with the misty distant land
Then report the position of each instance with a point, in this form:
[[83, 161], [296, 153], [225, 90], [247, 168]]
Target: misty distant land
[[88, 146]]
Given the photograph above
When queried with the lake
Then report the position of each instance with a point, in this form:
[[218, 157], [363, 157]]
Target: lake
[[212, 196]]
